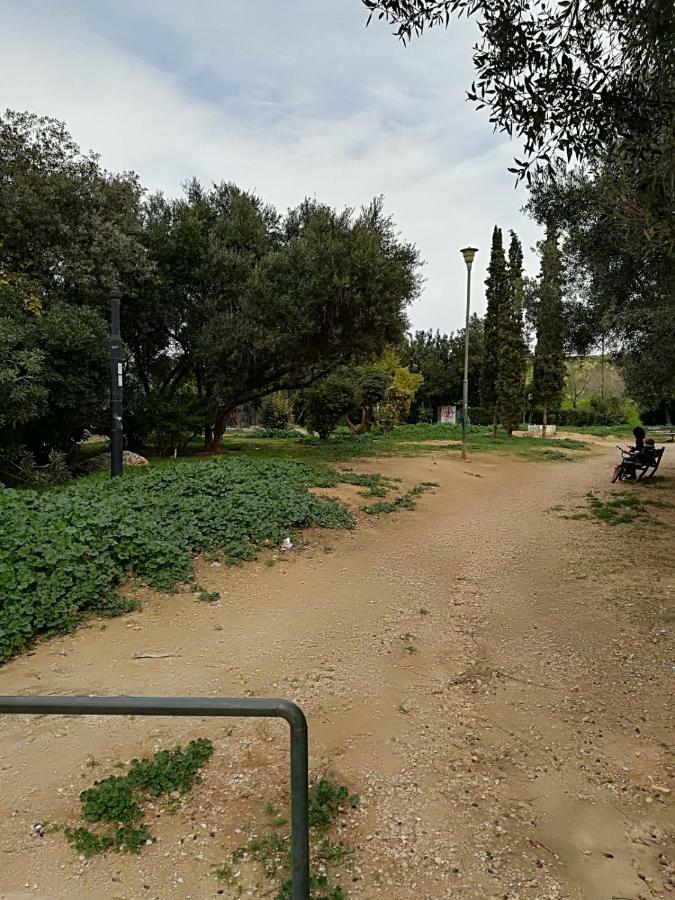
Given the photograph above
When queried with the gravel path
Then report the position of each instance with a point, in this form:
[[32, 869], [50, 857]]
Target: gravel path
[[494, 680]]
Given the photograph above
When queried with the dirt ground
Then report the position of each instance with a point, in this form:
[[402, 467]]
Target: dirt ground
[[494, 680]]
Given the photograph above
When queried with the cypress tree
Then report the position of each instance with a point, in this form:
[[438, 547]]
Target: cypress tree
[[496, 290], [511, 357], [549, 361]]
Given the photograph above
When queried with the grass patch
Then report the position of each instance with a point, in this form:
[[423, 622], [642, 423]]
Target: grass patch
[[404, 440], [622, 509], [115, 801]]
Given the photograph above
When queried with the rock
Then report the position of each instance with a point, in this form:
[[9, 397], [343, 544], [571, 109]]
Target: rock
[[102, 461], [287, 544]]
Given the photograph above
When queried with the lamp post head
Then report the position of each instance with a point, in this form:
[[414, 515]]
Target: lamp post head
[[469, 253]]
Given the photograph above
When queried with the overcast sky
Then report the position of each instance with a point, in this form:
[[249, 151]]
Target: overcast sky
[[290, 98]]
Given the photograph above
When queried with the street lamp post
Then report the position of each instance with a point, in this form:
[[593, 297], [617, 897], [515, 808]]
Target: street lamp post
[[116, 380], [468, 253]]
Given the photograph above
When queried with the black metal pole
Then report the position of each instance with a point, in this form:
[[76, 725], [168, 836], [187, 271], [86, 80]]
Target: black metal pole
[[205, 706], [116, 381]]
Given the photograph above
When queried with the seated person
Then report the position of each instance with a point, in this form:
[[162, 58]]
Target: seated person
[[642, 457], [639, 435]]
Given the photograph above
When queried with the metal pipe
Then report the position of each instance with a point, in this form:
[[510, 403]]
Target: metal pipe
[[205, 706], [116, 382]]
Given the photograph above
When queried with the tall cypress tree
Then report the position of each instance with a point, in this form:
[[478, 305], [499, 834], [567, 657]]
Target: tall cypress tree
[[496, 291], [549, 360], [511, 356]]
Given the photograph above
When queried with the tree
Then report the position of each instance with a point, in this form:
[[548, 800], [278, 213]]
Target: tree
[[497, 295], [69, 230], [620, 282], [402, 385], [512, 352], [573, 79], [549, 362], [255, 304], [53, 374]]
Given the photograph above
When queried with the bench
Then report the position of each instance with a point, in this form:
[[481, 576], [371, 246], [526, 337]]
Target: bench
[[663, 432], [646, 470]]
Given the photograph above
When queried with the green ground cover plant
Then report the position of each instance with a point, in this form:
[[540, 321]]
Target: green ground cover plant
[[624, 508], [115, 802], [402, 501], [327, 799], [64, 552]]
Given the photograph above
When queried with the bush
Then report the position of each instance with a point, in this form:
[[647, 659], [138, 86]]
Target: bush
[[166, 420], [328, 402], [276, 412], [63, 553]]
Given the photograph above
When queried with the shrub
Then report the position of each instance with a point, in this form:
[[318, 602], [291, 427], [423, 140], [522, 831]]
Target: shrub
[[166, 420], [276, 412], [328, 402]]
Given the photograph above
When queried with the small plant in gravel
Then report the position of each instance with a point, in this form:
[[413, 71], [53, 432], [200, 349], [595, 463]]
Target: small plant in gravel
[[327, 798], [622, 509], [205, 596], [402, 501], [115, 801]]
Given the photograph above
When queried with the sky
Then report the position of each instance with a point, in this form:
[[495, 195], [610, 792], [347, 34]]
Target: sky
[[289, 98]]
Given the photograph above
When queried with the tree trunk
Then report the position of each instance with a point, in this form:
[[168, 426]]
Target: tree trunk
[[494, 422], [366, 412], [543, 427], [218, 431], [667, 412]]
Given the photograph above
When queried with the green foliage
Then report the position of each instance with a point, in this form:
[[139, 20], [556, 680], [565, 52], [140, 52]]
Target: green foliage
[[326, 798], [619, 268], [575, 79], [264, 303], [622, 509], [549, 363], [403, 501], [329, 401], [53, 374], [439, 359], [165, 419], [116, 800], [276, 412], [208, 596], [496, 294], [63, 553], [512, 351]]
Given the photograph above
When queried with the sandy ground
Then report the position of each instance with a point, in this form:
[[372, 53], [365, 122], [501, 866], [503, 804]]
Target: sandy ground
[[494, 680]]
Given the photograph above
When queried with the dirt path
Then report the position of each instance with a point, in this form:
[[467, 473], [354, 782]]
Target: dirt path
[[494, 680]]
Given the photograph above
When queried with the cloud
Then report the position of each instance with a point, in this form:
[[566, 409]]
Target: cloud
[[291, 99]]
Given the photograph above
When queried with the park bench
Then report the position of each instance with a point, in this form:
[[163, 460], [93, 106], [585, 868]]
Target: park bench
[[664, 432], [645, 470]]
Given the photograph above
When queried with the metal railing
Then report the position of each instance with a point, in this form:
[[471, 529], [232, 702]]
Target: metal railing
[[205, 706]]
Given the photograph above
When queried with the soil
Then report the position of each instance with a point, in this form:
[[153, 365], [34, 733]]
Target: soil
[[493, 679]]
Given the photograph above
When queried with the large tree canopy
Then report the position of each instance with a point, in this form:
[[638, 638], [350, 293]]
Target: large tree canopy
[[253, 304], [573, 78], [619, 281], [223, 300]]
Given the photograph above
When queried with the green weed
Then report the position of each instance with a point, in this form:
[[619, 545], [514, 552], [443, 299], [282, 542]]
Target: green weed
[[402, 501], [205, 596], [272, 850], [116, 800]]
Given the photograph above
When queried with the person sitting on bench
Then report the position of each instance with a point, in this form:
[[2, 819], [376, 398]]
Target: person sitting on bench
[[642, 457]]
